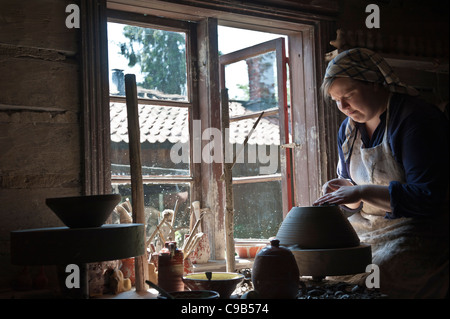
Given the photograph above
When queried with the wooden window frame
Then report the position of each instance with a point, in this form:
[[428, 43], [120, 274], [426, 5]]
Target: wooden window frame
[[278, 47], [192, 105]]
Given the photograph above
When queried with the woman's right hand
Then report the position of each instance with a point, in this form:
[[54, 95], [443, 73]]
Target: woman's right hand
[[335, 184], [344, 197]]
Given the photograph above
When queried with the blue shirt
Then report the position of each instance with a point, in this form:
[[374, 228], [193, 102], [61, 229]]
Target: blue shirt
[[418, 134]]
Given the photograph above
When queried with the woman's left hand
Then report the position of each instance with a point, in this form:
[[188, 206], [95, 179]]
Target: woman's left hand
[[342, 196]]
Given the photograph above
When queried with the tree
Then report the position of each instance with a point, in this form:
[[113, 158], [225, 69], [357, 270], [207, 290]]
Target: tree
[[161, 56]]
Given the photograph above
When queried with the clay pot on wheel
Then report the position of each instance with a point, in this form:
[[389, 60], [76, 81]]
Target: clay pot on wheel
[[275, 273], [317, 227]]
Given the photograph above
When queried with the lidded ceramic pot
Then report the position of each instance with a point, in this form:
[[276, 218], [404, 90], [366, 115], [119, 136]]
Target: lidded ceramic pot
[[275, 272], [317, 227]]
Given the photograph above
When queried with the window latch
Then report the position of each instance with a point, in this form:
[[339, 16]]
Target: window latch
[[290, 145]]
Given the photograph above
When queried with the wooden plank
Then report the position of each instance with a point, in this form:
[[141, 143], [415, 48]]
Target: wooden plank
[[300, 158], [261, 16], [307, 160], [213, 191], [137, 189], [95, 94], [311, 115], [147, 21]]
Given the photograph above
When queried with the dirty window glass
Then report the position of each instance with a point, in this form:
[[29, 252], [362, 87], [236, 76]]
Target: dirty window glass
[[256, 90], [156, 57], [157, 198], [258, 210], [164, 140]]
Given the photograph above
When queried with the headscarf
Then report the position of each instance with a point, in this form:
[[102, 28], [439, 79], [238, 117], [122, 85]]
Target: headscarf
[[365, 65]]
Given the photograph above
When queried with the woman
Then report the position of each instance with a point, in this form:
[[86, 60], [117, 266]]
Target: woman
[[392, 173]]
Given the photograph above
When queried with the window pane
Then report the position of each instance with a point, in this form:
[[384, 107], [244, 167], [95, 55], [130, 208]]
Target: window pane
[[157, 198], [257, 214], [261, 155], [252, 84], [164, 140], [156, 57]]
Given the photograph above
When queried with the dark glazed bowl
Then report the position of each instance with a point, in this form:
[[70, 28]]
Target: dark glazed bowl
[[195, 294], [317, 227], [83, 211], [222, 282]]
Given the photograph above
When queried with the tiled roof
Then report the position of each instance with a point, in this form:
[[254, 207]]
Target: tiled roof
[[160, 124]]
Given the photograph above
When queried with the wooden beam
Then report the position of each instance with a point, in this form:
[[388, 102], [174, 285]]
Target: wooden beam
[[213, 192], [137, 188], [228, 181], [95, 95]]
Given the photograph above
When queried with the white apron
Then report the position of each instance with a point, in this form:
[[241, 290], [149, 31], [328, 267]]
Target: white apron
[[412, 253]]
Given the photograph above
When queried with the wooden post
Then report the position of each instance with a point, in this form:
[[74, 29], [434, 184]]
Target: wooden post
[[137, 188], [228, 179]]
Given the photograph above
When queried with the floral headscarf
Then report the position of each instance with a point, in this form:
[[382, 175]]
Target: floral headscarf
[[365, 65]]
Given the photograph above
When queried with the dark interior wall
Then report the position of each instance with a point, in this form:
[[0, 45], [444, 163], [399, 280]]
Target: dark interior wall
[[413, 34], [399, 17], [39, 116]]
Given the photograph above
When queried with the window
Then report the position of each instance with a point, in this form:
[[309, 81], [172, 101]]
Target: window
[[159, 57], [300, 171]]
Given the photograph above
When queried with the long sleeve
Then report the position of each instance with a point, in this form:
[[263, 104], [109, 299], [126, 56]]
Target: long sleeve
[[419, 140]]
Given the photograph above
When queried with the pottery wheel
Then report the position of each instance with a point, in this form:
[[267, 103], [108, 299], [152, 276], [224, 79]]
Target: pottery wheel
[[332, 262], [63, 245]]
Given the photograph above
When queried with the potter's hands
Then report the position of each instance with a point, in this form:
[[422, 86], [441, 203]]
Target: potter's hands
[[340, 192], [335, 184]]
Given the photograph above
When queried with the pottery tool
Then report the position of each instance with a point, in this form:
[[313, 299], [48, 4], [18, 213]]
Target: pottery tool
[[175, 209], [137, 188], [196, 209], [158, 231], [194, 238]]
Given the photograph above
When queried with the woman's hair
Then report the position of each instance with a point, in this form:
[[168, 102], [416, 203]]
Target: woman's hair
[[327, 82], [325, 87]]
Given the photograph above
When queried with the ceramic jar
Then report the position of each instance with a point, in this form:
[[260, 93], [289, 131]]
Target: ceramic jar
[[170, 268], [275, 272]]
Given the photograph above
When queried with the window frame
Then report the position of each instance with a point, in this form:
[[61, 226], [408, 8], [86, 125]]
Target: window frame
[[188, 28], [278, 46]]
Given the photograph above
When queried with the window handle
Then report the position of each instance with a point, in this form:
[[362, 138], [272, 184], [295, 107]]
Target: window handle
[[291, 145]]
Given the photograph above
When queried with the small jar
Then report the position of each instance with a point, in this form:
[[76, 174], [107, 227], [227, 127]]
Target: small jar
[[275, 273]]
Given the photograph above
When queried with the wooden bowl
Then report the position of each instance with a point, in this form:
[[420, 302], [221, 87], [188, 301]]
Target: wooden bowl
[[83, 211]]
